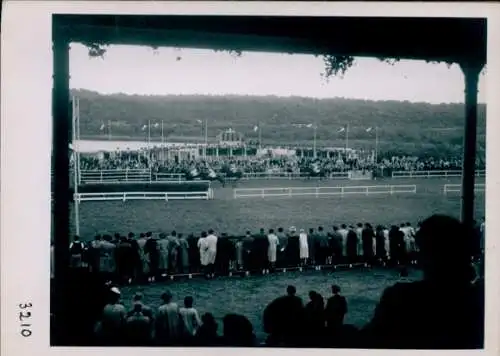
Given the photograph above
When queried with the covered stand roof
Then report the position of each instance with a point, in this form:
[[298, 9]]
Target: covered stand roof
[[435, 39]]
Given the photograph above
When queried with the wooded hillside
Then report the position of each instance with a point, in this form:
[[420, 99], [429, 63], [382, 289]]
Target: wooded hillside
[[404, 127]]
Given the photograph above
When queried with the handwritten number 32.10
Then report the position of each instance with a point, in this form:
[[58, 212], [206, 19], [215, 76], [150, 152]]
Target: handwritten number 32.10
[[24, 316]]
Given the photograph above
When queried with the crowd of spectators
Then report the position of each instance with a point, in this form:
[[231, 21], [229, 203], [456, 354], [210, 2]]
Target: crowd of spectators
[[275, 164], [444, 310]]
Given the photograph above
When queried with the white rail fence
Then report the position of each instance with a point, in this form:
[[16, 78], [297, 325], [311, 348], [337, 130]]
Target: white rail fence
[[433, 174], [124, 196], [146, 175], [290, 176], [323, 191], [457, 188], [170, 177], [115, 175]]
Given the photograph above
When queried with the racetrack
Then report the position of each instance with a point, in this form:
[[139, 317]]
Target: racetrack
[[235, 216]]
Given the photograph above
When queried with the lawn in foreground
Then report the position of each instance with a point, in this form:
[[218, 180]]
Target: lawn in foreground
[[249, 295]]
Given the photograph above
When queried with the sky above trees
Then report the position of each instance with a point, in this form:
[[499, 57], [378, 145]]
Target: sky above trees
[[163, 71]]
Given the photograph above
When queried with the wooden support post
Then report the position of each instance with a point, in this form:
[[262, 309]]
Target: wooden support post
[[471, 74], [61, 134]]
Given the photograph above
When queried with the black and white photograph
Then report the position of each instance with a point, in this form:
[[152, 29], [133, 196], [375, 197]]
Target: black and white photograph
[[260, 180]]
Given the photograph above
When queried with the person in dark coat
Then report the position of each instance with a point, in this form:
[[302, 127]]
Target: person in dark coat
[[222, 257], [396, 238], [151, 248], [314, 319], [284, 320], [442, 311], [367, 236], [311, 244], [248, 253], [322, 246], [135, 257], [260, 247], [336, 246], [193, 254], [293, 248], [335, 311], [124, 260], [283, 243], [381, 254], [352, 245]]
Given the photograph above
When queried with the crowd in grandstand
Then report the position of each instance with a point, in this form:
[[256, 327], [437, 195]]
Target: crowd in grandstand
[[444, 310], [273, 164]]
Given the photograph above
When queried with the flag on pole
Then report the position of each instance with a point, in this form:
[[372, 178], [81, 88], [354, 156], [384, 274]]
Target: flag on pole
[[199, 121], [341, 130], [102, 127], [369, 129], [256, 128], [144, 127], [309, 125], [156, 125]]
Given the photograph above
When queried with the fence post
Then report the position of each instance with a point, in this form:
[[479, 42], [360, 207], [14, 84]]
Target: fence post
[[262, 193], [150, 175], [126, 174], [317, 192], [391, 189], [166, 196], [124, 197], [101, 175], [289, 192]]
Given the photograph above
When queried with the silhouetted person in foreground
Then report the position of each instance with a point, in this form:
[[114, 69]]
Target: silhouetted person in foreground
[[238, 331], [335, 311], [284, 320], [314, 319], [207, 333], [445, 310]]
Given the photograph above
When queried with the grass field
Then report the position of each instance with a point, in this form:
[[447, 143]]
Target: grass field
[[249, 296], [235, 216]]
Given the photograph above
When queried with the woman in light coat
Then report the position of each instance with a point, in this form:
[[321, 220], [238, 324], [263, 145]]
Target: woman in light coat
[[273, 247], [304, 248]]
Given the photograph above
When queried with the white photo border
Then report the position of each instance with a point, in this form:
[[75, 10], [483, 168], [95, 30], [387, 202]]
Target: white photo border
[[26, 129]]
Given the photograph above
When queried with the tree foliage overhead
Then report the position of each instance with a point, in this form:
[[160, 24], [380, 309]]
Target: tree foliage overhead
[[404, 126]]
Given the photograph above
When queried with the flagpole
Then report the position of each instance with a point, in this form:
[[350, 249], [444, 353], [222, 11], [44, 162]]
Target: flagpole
[[79, 175], [376, 144], [260, 135], [206, 139], [314, 147], [162, 143], [162, 139], [75, 178], [346, 138]]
